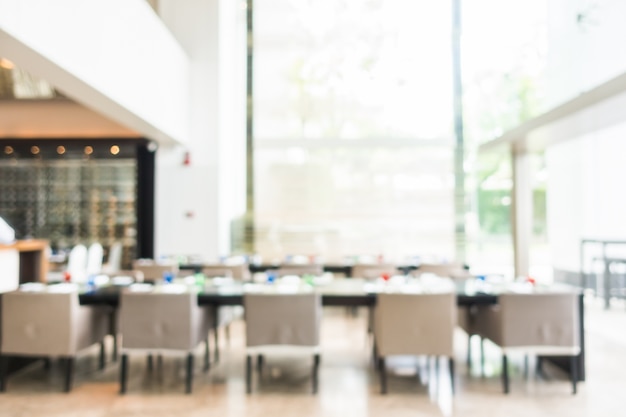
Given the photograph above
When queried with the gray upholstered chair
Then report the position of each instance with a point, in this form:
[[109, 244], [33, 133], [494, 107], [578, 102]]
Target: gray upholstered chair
[[299, 269], [416, 325], [373, 271], [282, 321], [240, 272], [153, 271], [49, 324], [545, 324], [466, 316], [155, 322]]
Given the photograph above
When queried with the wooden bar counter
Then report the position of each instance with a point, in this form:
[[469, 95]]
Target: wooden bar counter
[[33, 259]]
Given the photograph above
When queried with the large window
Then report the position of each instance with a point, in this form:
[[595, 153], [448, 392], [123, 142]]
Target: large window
[[353, 128]]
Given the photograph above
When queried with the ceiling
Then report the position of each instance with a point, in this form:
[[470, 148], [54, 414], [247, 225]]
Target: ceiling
[[56, 118]]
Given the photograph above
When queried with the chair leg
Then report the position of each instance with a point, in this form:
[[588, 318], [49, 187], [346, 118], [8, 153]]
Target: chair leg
[[574, 373], [526, 366], [189, 375], [469, 352], [482, 356], [505, 374], [316, 367], [451, 369], [207, 355], [115, 354], [47, 364], [102, 359], [216, 340], [150, 363], [227, 334], [260, 361], [4, 365], [69, 373], [123, 374], [248, 374], [382, 370]]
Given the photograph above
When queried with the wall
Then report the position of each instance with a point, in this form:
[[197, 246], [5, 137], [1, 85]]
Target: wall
[[585, 172], [196, 203], [114, 56]]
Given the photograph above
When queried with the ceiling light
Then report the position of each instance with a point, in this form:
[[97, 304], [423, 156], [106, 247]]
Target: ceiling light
[[6, 64]]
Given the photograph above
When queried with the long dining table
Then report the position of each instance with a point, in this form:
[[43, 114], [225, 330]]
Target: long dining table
[[346, 292]]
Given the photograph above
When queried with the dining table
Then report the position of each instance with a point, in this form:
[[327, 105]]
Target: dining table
[[343, 292]]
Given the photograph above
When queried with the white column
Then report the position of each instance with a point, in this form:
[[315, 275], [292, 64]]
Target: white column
[[521, 211]]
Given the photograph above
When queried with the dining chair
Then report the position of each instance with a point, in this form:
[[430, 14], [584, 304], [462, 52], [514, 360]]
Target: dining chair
[[223, 316], [77, 263], [299, 269], [415, 325], [217, 271], [240, 272], [452, 270], [114, 258], [49, 324], [152, 270], [545, 324], [466, 315], [373, 271], [154, 322], [95, 255], [282, 322]]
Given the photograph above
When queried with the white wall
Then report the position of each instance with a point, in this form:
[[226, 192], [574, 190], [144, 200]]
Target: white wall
[[583, 52], [585, 173], [195, 204], [114, 56]]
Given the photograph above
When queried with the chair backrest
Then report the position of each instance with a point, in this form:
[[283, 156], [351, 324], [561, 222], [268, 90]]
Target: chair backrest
[[156, 320], [239, 272], [449, 270], [415, 324], [538, 319], [282, 319], [297, 269], [153, 270], [114, 258], [95, 254], [373, 271], [136, 275], [77, 263], [44, 323]]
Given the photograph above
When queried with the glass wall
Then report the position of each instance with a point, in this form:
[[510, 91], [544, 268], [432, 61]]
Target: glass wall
[[353, 129]]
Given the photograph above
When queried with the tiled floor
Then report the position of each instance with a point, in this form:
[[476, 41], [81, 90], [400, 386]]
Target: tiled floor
[[348, 384]]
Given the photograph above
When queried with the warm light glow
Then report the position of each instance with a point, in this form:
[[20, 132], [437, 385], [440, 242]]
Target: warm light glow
[[6, 64], [34, 150], [60, 150], [115, 150], [88, 150], [8, 150]]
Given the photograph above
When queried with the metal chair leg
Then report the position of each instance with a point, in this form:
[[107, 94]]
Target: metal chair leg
[[102, 359], [574, 373], [315, 376], [451, 369], [4, 365], [207, 355], [69, 374], [123, 374], [248, 374], [382, 369], [189, 374], [505, 374]]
